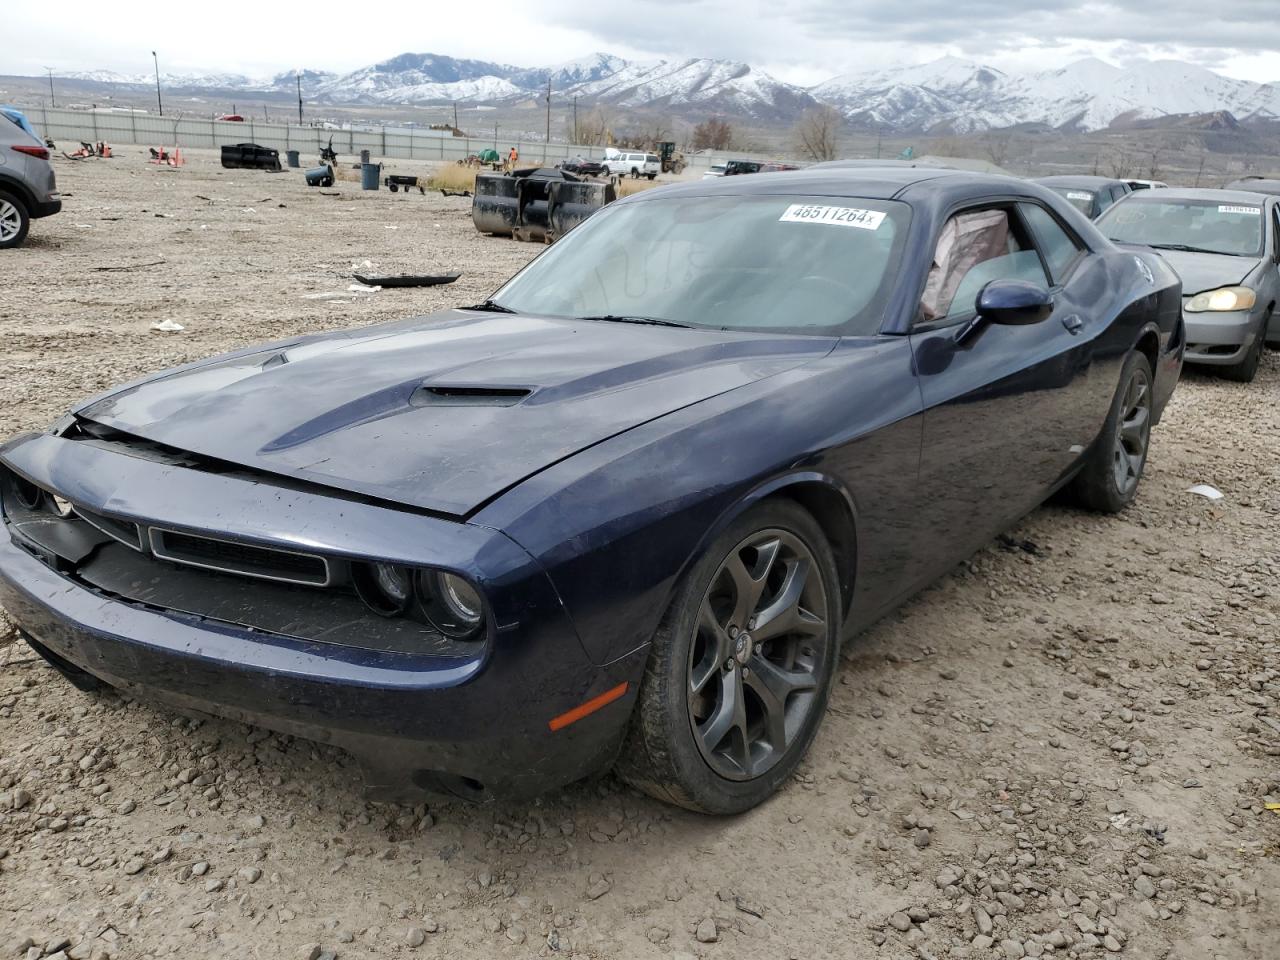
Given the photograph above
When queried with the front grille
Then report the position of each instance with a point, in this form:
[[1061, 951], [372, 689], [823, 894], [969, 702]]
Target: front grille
[[231, 557]]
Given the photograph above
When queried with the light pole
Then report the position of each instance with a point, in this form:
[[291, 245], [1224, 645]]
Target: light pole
[[298, 76], [575, 119], [159, 103], [52, 101]]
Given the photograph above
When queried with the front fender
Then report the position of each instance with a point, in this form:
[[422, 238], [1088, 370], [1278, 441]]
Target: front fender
[[617, 525]]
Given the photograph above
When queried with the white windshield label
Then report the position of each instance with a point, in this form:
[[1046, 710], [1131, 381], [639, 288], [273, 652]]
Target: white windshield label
[[1247, 211], [1076, 195], [838, 216]]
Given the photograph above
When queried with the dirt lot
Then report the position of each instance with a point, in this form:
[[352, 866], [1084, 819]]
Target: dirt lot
[[1064, 747]]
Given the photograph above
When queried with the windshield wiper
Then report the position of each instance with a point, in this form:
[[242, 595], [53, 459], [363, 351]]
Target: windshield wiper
[[1186, 248], [652, 321], [490, 307]]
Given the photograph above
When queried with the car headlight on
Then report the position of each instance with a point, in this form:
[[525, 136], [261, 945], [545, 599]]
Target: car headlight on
[[451, 603], [1222, 300]]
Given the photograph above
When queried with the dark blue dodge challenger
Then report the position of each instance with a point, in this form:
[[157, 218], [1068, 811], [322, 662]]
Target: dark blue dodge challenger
[[624, 511]]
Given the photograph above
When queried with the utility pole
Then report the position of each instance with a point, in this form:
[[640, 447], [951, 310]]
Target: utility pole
[[297, 74], [575, 119], [879, 134], [1200, 171], [159, 103], [52, 102], [495, 136], [547, 141], [455, 114]]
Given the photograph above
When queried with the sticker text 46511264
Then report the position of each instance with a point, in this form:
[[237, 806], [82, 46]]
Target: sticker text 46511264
[[835, 216]]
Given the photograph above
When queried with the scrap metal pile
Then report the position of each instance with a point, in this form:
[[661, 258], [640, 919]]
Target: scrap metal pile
[[539, 204]]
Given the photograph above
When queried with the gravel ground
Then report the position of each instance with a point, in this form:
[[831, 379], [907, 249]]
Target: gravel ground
[[1065, 746]]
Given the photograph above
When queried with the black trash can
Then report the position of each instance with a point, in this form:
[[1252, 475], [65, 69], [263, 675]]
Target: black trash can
[[293, 158]]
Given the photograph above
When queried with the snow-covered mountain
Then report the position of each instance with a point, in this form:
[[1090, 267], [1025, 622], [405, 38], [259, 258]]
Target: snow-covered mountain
[[947, 95], [963, 96]]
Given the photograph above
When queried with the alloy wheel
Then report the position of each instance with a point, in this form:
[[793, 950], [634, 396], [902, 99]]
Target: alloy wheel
[[1132, 432], [10, 221], [757, 653]]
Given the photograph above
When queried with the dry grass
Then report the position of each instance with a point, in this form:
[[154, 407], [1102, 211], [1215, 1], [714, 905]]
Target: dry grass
[[627, 186], [451, 176]]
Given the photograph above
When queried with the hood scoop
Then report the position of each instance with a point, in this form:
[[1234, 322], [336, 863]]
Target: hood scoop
[[441, 395]]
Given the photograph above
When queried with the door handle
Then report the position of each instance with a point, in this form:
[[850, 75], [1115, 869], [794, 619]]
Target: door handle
[[1073, 323]]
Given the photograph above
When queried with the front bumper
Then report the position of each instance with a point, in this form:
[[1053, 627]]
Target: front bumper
[[476, 727], [1219, 338]]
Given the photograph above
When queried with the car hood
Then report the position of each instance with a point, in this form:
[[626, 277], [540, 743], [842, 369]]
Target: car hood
[[1208, 271], [443, 412]]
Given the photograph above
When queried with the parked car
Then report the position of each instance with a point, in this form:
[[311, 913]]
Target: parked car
[[628, 507], [1146, 184], [1223, 243], [1256, 185], [633, 164], [582, 166], [714, 171], [1090, 195], [28, 185]]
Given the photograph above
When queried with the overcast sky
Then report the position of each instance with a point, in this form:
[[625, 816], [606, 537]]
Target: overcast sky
[[802, 41]]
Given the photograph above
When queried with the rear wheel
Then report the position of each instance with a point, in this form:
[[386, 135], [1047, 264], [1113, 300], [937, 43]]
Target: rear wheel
[[15, 220], [1108, 482], [741, 667]]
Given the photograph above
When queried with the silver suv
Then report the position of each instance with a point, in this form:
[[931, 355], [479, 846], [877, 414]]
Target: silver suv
[[28, 188]]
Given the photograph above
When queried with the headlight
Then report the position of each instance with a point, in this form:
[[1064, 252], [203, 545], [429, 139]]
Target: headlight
[[451, 603], [1221, 300], [27, 493], [385, 588]]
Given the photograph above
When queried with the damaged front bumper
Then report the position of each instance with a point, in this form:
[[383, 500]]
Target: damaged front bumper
[[474, 722]]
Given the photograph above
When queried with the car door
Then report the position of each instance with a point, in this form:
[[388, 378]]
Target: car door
[[1002, 406]]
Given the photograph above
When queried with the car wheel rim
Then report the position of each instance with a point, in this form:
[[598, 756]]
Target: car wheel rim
[[1130, 452], [10, 222], [759, 645]]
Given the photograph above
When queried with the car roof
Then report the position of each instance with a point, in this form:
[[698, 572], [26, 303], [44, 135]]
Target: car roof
[[1256, 184], [1083, 181], [883, 183], [1202, 193]]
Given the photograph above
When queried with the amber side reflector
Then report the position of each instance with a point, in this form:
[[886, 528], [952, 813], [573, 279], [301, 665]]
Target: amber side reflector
[[588, 708]]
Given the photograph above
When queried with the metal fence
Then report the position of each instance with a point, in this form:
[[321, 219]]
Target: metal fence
[[403, 143]]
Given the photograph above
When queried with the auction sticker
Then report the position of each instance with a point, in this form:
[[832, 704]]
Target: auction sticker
[[1072, 195], [1248, 211], [837, 216]]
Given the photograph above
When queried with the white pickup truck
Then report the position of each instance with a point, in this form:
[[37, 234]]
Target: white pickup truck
[[618, 163]]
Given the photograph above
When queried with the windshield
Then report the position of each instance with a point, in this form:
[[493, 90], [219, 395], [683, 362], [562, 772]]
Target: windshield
[[819, 265], [1209, 226], [1082, 200]]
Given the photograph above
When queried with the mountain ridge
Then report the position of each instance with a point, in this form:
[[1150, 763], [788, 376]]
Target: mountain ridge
[[947, 95]]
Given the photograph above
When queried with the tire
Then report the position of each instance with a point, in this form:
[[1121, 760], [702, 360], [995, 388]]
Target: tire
[[15, 220], [652, 176], [604, 171], [687, 744], [1108, 481], [1247, 367]]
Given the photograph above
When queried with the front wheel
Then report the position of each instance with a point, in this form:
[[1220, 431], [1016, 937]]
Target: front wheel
[[741, 667], [1109, 479], [1244, 370]]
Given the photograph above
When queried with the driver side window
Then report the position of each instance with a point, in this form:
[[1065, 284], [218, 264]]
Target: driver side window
[[974, 248]]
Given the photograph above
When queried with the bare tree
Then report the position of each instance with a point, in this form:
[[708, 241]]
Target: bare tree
[[998, 147], [1118, 164], [713, 134], [1153, 166], [816, 133], [596, 127]]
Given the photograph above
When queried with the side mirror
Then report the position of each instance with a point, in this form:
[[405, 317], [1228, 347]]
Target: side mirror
[[1013, 302]]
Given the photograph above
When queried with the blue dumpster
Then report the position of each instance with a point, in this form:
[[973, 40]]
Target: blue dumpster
[[369, 174]]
